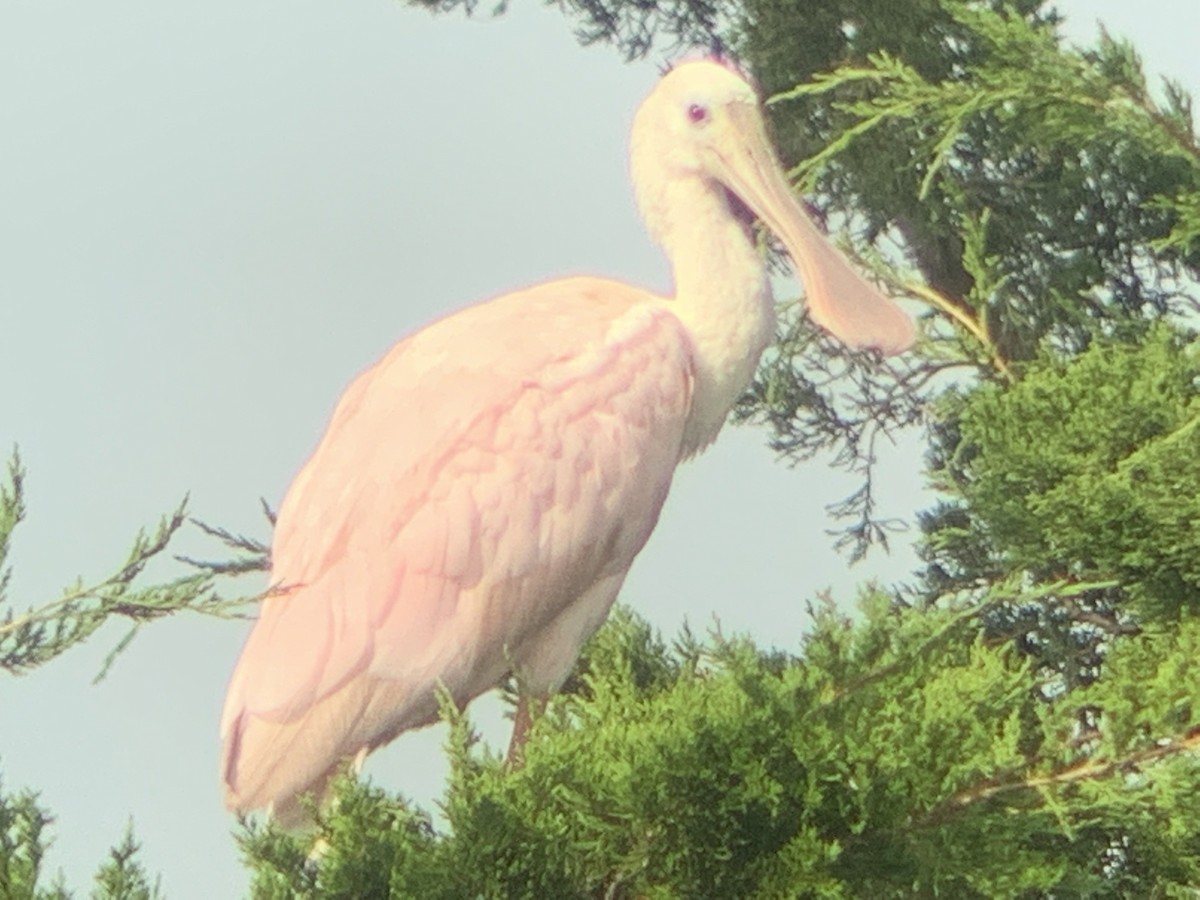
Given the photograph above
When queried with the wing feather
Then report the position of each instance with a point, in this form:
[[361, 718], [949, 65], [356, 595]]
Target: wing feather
[[472, 486]]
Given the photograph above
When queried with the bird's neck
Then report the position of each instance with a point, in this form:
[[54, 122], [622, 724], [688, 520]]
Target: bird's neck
[[722, 297]]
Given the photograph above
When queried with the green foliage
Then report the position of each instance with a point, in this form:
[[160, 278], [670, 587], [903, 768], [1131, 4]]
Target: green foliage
[[1040, 201], [1085, 468], [897, 756], [634, 26], [23, 840], [24, 837], [122, 877], [39, 635], [1031, 196], [1063, 151], [372, 846], [12, 510]]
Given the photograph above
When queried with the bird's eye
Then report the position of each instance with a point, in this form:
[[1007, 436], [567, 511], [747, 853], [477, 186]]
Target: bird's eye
[[697, 114]]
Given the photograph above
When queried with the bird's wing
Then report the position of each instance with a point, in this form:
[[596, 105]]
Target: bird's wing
[[470, 487]]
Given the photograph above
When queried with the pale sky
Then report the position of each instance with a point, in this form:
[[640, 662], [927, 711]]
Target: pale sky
[[211, 217]]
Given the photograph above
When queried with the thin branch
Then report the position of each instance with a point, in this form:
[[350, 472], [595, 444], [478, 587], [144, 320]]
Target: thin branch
[[45, 632], [1088, 770], [956, 312]]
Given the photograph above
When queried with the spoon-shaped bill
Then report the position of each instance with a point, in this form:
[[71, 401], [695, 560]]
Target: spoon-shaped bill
[[840, 300]]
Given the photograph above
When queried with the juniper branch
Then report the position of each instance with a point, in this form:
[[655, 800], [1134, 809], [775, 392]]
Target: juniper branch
[[44, 632]]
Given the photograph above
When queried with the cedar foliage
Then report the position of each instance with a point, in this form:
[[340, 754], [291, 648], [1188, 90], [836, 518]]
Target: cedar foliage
[[1021, 723], [898, 755]]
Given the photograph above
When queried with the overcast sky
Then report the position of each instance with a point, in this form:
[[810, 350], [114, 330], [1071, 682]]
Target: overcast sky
[[211, 217]]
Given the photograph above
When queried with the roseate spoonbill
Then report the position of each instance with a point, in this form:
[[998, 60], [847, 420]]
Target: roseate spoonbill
[[482, 490]]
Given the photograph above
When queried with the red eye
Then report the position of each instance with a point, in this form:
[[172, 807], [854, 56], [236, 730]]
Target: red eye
[[697, 113]]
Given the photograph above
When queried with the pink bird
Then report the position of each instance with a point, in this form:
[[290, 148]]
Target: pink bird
[[483, 489]]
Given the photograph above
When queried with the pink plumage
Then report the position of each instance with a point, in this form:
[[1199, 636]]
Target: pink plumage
[[482, 491]]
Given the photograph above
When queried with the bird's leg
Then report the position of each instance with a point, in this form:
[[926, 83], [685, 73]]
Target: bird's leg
[[521, 723]]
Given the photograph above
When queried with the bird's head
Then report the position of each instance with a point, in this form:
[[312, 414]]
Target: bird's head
[[702, 125], [684, 124]]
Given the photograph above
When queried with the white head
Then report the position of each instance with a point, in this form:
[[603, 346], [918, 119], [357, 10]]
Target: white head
[[701, 128], [679, 128]]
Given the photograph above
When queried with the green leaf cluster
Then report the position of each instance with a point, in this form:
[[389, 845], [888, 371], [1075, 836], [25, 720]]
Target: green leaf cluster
[[899, 755], [918, 117], [1086, 468], [23, 826], [24, 838], [1032, 197]]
